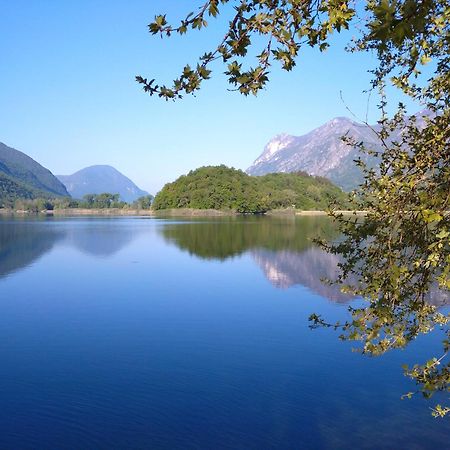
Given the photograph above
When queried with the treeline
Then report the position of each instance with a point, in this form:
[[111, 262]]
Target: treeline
[[211, 187], [224, 188], [89, 201], [12, 190]]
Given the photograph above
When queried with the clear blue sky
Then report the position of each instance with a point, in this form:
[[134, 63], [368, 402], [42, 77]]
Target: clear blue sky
[[69, 98]]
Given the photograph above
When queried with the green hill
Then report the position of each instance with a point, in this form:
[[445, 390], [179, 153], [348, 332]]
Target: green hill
[[22, 177], [224, 188]]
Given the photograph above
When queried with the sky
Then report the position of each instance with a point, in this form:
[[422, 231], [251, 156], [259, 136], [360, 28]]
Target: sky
[[69, 98]]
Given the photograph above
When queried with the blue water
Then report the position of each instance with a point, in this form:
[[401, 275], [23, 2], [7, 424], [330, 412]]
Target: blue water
[[163, 334]]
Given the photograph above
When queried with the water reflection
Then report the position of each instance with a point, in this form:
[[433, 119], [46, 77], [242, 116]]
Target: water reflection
[[309, 268], [104, 353], [100, 239], [224, 238], [282, 247], [22, 243]]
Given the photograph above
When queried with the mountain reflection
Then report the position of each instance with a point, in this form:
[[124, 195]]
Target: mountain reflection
[[100, 239], [22, 243], [309, 268]]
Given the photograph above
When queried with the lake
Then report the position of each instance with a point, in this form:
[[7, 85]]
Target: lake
[[134, 333]]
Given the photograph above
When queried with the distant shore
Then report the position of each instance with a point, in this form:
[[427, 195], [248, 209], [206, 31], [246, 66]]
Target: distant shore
[[300, 212], [100, 212], [139, 212], [325, 213], [80, 212], [181, 212]]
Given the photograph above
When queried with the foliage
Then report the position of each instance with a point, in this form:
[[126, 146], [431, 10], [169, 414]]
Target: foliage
[[12, 190], [90, 201], [404, 33], [285, 25], [33, 205], [101, 201], [144, 202], [399, 253], [400, 250], [211, 188], [220, 187]]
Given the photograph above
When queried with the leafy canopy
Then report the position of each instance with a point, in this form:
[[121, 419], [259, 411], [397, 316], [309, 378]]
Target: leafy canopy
[[405, 34]]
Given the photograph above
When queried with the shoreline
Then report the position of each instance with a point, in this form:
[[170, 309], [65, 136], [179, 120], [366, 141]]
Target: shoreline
[[182, 212], [100, 212], [79, 212]]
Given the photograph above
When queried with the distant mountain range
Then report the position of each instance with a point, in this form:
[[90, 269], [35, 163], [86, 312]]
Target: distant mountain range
[[319, 152], [322, 151], [22, 177], [100, 179]]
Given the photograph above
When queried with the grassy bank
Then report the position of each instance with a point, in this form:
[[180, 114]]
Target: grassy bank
[[80, 212], [100, 212]]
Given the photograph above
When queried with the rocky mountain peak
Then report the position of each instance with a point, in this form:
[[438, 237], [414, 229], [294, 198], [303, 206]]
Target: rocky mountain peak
[[275, 145], [319, 152]]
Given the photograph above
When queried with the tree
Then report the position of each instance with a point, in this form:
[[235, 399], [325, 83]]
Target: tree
[[102, 201], [144, 202], [89, 200], [399, 252]]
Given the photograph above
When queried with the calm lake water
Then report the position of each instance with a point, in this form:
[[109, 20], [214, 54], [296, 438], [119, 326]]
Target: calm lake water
[[149, 333]]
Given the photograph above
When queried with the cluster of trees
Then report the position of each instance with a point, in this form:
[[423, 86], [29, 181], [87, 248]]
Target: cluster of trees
[[89, 201], [100, 201], [32, 205], [144, 202], [12, 190], [221, 187]]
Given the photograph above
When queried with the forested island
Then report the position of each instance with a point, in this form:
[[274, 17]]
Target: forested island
[[224, 188]]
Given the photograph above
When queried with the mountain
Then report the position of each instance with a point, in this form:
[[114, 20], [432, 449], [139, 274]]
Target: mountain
[[320, 152], [22, 177], [101, 179]]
